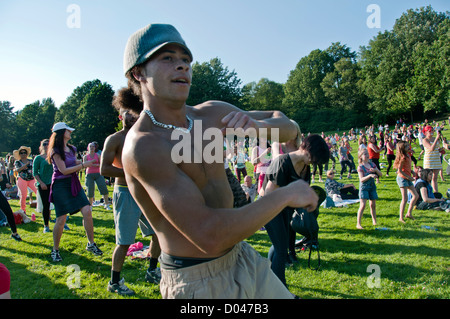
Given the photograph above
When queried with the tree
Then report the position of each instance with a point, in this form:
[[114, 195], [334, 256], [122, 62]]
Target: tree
[[390, 62], [89, 110], [34, 123], [68, 111], [430, 84], [303, 87], [212, 81], [264, 95], [98, 118], [7, 127], [341, 86]]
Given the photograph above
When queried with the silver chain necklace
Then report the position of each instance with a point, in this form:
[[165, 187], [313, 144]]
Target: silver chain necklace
[[170, 126]]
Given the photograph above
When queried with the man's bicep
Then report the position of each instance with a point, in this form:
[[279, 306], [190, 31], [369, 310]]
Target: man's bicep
[[108, 153]]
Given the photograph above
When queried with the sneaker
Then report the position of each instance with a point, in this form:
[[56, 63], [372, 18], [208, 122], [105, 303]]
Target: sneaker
[[66, 227], [153, 276], [107, 207], [96, 203], [56, 257], [46, 230], [120, 288], [94, 249], [16, 237]]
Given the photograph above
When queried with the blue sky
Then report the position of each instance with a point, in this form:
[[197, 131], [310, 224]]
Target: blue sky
[[42, 55]]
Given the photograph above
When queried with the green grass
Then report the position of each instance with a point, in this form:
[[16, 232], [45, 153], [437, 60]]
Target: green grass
[[413, 262]]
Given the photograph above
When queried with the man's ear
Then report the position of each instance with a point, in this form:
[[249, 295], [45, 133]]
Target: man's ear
[[138, 74]]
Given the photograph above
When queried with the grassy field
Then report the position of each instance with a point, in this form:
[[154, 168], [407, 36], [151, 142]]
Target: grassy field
[[398, 261]]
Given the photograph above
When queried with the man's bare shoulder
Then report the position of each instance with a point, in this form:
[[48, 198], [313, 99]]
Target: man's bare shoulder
[[116, 138]]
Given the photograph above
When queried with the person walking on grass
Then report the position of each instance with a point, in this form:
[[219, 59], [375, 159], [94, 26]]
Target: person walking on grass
[[66, 192], [93, 177], [367, 173], [43, 172], [25, 179], [405, 179]]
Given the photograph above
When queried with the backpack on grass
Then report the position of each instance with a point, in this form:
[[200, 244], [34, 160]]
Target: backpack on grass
[[306, 224]]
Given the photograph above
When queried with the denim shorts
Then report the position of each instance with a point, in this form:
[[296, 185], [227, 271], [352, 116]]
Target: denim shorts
[[402, 182], [370, 194], [127, 217]]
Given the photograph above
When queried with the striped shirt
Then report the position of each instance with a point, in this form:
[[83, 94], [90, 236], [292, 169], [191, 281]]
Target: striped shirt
[[432, 159]]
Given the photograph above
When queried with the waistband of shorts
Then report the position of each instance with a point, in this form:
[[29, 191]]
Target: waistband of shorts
[[171, 262], [205, 269], [121, 188]]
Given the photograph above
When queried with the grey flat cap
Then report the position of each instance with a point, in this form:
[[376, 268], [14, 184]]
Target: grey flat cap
[[146, 41]]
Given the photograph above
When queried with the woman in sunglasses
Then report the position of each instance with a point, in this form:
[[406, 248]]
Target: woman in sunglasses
[[25, 179]]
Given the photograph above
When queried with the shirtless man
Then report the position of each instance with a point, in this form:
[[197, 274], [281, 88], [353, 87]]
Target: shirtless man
[[127, 214], [190, 205]]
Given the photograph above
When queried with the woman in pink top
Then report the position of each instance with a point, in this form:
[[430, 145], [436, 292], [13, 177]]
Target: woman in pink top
[[93, 177]]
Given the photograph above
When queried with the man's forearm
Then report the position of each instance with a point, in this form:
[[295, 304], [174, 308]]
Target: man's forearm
[[279, 127]]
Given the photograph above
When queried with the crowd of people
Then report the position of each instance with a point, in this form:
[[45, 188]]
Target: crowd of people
[[200, 247], [274, 165]]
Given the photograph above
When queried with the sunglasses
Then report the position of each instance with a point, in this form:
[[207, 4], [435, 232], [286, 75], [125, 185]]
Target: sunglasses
[[45, 144], [23, 153]]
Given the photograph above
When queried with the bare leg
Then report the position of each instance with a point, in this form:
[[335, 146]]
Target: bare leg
[[373, 211], [58, 230], [88, 223], [362, 206]]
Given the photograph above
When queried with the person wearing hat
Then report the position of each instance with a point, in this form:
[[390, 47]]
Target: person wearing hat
[[190, 204], [25, 179], [66, 192], [432, 156]]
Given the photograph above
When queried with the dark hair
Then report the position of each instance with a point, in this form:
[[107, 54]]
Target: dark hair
[[56, 145], [424, 173], [133, 84], [317, 148], [126, 99]]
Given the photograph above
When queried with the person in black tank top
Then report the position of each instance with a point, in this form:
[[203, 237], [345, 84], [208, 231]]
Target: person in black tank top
[[283, 170]]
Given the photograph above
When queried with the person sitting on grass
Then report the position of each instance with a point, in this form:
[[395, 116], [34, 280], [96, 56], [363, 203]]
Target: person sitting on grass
[[11, 191], [333, 187], [427, 199]]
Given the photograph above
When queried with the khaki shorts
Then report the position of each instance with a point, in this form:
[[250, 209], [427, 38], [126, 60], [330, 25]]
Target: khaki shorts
[[240, 274]]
